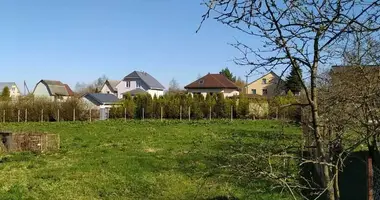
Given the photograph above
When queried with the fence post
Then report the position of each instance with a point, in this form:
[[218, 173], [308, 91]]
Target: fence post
[[90, 115], [276, 113], [232, 113], [58, 117], [74, 114], [3, 116], [26, 115], [42, 115], [210, 113], [189, 113], [125, 114], [143, 114], [180, 113], [161, 113], [18, 115]]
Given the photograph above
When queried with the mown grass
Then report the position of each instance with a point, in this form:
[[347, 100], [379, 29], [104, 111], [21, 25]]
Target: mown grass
[[143, 160]]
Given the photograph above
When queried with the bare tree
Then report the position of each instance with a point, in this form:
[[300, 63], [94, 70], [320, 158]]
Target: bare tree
[[93, 87], [298, 34], [174, 85]]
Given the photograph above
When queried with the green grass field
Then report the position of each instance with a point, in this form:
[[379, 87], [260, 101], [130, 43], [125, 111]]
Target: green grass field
[[142, 160]]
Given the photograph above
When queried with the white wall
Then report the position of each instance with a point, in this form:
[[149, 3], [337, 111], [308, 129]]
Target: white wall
[[204, 92], [121, 88], [14, 92], [158, 93], [230, 92], [106, 90], [42, 91]]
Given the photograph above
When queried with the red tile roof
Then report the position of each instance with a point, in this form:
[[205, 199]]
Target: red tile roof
[[212, 81], [69, 91]]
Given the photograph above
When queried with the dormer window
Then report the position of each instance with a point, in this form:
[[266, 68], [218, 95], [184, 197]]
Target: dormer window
[[264, 81], [201, 82]]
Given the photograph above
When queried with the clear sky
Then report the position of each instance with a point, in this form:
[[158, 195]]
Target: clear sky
[[80, 40]]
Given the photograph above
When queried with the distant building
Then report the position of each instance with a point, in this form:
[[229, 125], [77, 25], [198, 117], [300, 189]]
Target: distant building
[[55, 90], [268, 85], [138, 82], [109, 87], [13, 89], [213, 83], [100, 100]]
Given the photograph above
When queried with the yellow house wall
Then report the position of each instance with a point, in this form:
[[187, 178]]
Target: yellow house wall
[[271, 85]]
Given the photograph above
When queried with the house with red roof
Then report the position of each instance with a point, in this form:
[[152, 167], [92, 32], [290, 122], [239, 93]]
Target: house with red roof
[[213, 83]]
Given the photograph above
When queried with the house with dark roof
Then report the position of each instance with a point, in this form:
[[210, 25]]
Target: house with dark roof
[[55, 90], [109, 87], [13, 89], [139, 82], [213, 83], [268, 85], [100, 100]]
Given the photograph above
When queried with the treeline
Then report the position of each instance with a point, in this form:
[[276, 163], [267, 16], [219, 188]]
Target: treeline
[[177, 105], [33, 109], [215, 106]]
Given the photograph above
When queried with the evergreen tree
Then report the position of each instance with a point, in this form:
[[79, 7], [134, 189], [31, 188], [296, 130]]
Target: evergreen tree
[[220, 108], [227, 73], [129, 106], [293, 82], [243, 107], [196, 111], [6, 94]]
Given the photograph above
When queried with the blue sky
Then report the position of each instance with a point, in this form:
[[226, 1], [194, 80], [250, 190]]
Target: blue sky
[[80, 40]]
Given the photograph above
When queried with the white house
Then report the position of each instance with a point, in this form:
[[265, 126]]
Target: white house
[[109, 87], [55, 90], [138, 82], [13, 89], [213, 83]]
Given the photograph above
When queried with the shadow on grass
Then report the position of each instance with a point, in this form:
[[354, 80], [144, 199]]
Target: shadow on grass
[[238, 160]]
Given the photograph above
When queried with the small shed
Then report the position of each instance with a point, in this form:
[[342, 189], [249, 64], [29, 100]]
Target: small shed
[[101, 102]]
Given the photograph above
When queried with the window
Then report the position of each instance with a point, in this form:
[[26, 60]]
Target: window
[[201, 82], [264, 81], [108, 92], [265, 92], [253, 91], [138, 84], [128, 84]]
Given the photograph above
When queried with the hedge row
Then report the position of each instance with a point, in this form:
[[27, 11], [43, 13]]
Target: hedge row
[[177, 105], [41, 109]]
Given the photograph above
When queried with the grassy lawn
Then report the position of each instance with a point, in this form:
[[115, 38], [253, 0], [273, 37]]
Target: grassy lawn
[[142, 160]]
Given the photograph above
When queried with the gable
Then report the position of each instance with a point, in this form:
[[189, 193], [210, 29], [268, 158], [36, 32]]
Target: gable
[[146, 78], [271, 77]]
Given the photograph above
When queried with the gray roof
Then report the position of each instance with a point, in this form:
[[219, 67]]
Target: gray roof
[[151, 82], [101, 99], [135, 91]]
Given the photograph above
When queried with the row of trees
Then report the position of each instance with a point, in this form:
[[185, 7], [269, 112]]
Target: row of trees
[[29, 109], [177, 105]]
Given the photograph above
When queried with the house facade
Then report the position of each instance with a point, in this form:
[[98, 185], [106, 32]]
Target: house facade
[[139, 82], [109, 87], [268, 85], [54, 90], [13, 89], [213, 83]]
